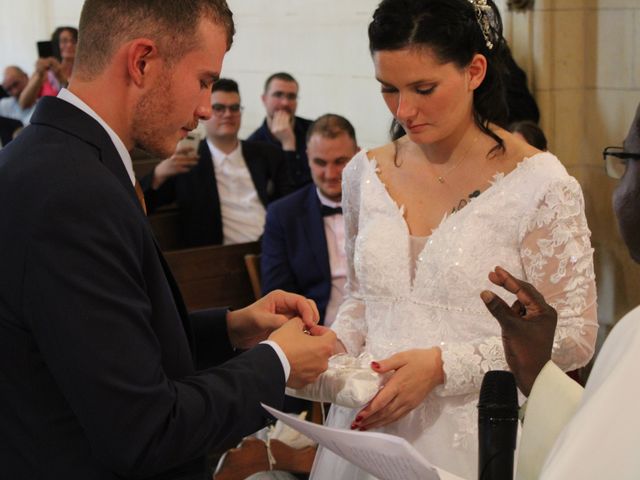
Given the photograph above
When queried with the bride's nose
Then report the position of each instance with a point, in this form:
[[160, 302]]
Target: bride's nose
[[406, 108]]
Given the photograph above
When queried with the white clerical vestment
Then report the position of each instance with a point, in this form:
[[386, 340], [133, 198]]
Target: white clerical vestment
[[601, 439]]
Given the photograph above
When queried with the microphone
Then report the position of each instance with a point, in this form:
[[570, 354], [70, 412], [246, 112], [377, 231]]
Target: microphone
[[497, 425]]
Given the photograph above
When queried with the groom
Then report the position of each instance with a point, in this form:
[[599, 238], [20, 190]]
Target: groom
[[97, 352]]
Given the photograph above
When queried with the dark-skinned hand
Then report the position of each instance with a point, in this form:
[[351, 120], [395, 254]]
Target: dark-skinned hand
[[528, 327]]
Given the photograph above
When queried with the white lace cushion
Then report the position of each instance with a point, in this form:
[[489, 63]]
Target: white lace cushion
[[349, 381], [558, 260]]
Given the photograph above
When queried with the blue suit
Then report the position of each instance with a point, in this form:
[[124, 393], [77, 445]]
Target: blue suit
[[294, 248]]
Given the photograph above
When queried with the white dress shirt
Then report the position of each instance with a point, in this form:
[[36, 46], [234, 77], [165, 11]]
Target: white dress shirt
[[243, 214], [10, 108], [334, 232], [69, 97]]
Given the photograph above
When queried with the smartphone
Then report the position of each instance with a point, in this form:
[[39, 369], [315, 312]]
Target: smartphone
[[45, 49], [192, 140]]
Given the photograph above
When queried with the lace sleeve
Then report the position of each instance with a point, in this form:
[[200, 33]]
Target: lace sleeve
[[349, 324], [557, 258]]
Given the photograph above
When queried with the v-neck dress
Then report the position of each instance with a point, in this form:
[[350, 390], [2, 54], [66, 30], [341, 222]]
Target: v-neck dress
[[530, 221]]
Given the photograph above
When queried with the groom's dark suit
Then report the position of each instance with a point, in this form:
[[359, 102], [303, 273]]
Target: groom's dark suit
[[97, 378]]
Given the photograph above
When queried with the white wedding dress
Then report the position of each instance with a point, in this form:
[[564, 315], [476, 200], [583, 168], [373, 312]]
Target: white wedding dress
[[531, 222]]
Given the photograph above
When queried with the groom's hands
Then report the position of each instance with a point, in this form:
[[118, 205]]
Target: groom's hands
[[528, 327], [308, 350], [290, 320], [253, 324]]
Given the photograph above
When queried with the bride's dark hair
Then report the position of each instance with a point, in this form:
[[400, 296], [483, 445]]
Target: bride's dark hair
[[453, 31]]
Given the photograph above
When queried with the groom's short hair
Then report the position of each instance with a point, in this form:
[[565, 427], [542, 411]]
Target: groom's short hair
[[107, 24]]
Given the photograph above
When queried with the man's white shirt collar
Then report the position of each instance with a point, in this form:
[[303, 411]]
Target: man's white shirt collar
[[70, 97], [218, 155], [327, 202]]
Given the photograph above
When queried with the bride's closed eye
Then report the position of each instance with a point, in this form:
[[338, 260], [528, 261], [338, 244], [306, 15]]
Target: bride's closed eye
[[425, 91], [419, 91]]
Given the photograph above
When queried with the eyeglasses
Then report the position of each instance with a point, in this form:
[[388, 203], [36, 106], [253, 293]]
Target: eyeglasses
[[616, 160], [220, 108], [289, 96]]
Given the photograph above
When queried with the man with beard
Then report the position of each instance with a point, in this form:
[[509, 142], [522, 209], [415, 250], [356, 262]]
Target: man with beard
[[592, 434], [282, 127], [223, 189], [306, 229], [97, 353]]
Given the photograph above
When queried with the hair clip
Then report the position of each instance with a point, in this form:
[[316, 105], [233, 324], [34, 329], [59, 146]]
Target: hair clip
[[483, 11]]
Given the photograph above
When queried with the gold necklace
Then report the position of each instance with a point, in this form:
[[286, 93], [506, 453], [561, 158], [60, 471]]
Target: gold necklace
[[441, 177]]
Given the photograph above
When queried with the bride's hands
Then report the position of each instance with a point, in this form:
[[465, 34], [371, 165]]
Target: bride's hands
[[417, 372]]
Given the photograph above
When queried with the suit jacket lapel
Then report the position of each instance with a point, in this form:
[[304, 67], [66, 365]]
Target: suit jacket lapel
[[177, 296], [205, 189], [313, 225], [64, 116], [207, 174], [258, 169]]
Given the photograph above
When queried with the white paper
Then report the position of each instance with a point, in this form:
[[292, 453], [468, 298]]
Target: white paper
[[388, 457]]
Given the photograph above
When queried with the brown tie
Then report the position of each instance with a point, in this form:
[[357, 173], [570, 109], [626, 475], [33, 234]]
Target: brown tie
[[140, 195]]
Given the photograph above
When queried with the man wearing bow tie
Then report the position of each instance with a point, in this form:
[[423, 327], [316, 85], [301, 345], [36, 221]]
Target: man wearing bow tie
[[303, 241]]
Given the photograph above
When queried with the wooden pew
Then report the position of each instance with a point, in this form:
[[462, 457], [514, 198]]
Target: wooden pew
[[213, 276]]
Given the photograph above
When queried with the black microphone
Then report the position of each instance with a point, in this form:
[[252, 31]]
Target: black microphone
[[497, 425]]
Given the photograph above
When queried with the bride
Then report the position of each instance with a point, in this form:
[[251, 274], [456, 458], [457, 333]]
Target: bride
[[429, 215]]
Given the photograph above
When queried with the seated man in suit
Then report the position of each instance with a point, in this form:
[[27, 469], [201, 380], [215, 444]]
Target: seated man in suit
[[590, 435], [222, 192], [303, 242], [282, 128]]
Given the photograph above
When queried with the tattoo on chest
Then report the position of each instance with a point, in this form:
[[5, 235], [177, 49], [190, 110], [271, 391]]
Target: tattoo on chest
[[463, 202]]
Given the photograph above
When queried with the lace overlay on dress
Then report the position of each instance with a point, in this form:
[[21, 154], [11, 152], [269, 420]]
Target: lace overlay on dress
[[530, 221]]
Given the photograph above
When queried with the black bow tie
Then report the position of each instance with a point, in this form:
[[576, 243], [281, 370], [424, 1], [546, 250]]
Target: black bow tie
[[328, 211]]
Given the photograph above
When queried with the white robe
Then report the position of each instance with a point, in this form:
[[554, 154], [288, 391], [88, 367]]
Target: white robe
[[601, 439]]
